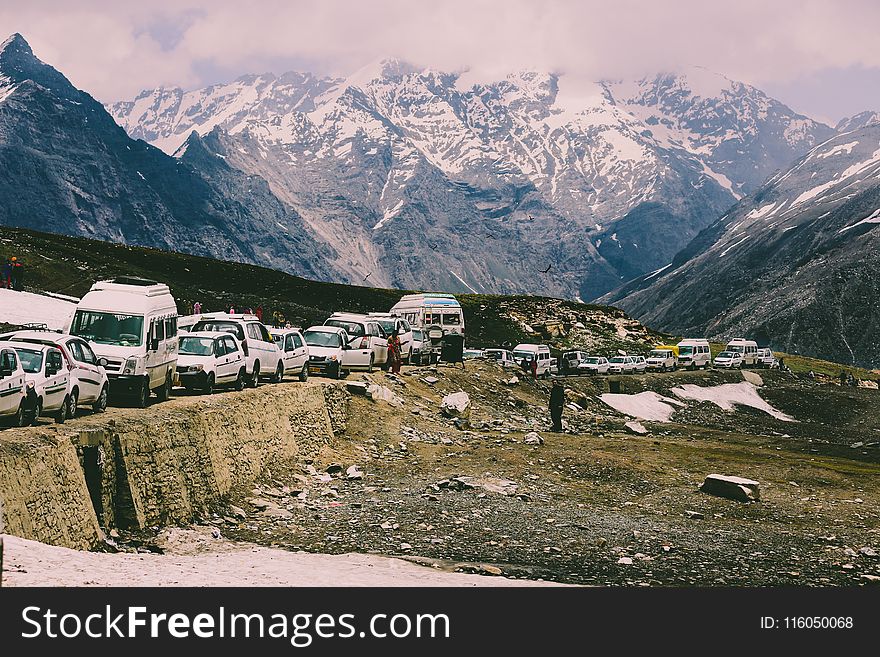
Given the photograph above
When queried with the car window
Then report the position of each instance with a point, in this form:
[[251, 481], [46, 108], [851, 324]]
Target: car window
[[219, 347], [265, 336], [225, 327], [54, 360], [231, 347], [9, 361], [158, 329], [76, 350], [297, 341], [354, 329], [170, 327], [88, 355], [288, 343]]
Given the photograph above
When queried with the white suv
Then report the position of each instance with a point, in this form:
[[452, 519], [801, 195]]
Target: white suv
[[594, 365], [404, 332], [363, 333], [89, 383], [207, 359], [766, 359], [260, 351], [13, 402], [639, 364], [47, 381], [621, 365], [294, 351]]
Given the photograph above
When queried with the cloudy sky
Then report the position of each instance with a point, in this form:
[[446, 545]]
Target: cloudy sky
[[820, 57]]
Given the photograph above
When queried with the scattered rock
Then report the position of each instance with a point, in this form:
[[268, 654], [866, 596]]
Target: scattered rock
[[353, 472], [753, 377], [512, 381], [873, 579], [867, 552], [259, 502], [625, 561], [490, 570], [457, 404], [334, 468], [405, 546], [238, 512], [356, 387], [382, 393], [695, 515], [533, 438], [489, 484], [869, 384], [636, 427], [215, 533], [430, 380], [733, 488]]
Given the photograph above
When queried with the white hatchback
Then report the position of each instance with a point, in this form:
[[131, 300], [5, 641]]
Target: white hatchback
[[729, 359], [47, 381], [89, 383], [260, 351], [363, 333], [294, 351], [594, 365], [207, 359], [13, 399], [622, 365]]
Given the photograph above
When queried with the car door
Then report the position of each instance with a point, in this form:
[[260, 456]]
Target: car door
[[84, 370], [57, 380], [300, 352], [11, 384], [354, 356], [378, 342], [289, 354], [234, 356]]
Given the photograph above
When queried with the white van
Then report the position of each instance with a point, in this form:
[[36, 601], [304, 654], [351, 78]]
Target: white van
[[261, 354], [424, 310], [694, 353], [13, 403], [748, 349], [539, 352], [132, 323]]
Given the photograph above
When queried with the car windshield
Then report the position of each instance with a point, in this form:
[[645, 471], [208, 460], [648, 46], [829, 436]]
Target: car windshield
[[192, 346], [519, 354], [592, 361], [353, 329], [31, 360], [387, 325], [108, 328], [727, 354], [617, 359], [657, 354], [417, 334], [685, 350], [735, 348], [494, 354], [222, 327], [322, 339]]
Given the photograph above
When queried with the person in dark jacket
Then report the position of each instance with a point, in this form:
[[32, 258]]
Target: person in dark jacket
[[557, 403], [17, 277], [6, 280]]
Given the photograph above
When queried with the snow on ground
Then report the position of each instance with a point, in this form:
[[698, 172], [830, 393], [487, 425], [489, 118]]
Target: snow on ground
[[27, 308], [220, 563], [728, 394], [644, 405]]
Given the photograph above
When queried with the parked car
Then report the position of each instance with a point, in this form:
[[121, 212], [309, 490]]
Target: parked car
[[621, 365], [539, 352], [570, 360], [639, 364], [469, 354], [89, 383], [260, 351], [389, 322], [13, 399], [294, 351], [594, 365], [47, 381], [363, 333], [766, 359], [694, 353], [503, 357], [729, 359], [418, 346], [661, 360], [208, 359], [132, 323], [331, 353]]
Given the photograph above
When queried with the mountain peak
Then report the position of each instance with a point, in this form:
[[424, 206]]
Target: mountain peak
[[16, 44]]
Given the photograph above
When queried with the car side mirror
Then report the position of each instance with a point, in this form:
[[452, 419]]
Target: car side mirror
[[5, 372], [102, 362]]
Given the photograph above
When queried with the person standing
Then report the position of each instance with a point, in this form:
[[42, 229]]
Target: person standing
[[259, 313], [197, 308], [17, 278], [557, 403], [394, 351], [534, 367], [7, 274]]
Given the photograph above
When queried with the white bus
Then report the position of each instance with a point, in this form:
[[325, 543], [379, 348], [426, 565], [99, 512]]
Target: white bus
[[694, 353], [424, 310], [132, 322], [748, 349]]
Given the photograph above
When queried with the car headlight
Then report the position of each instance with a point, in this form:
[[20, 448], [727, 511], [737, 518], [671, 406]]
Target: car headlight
[[333, 358], [196, 368], [130, 366]]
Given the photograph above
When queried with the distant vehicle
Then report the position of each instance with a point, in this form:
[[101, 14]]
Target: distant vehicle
[[418, 346], [469, 354], [424, 310], [47, 381], [661, 359], [503, 357], [389, 322], [766, 359], [729, 359], [294, 351], [363, 333], [622, 365], [539, 352], [748, 349], [694, 354], [594, 365], [639, 364], [185, 323], [260, 351], [207, 359], [89, 383], [132, 323], [569, 361], [331, 353], [13, 398]]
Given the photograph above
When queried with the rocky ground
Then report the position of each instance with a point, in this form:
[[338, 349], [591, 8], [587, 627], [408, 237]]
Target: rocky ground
[[596, 504]]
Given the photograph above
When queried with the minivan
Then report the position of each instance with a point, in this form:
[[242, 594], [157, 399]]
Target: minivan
[[539, 352], [748, 349], [260, 351], [694, 353]]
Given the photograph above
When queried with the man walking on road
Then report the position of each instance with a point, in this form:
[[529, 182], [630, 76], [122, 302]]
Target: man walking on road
[[557, 403]]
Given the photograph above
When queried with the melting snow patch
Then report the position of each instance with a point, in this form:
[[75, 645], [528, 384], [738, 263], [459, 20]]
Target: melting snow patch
[[873, 219], [728, 394], [26, 308], [644, 405]]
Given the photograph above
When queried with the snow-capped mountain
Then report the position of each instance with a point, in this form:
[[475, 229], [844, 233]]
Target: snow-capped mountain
[[796, 263], [69, 168], [423, 181]]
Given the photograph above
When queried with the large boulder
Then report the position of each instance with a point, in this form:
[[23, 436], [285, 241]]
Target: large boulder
[[733, 488], [753, 377], [457, 404], [383, 393]]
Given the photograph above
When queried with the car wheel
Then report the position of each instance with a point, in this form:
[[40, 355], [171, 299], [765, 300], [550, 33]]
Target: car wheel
[[142, 397], [338, 374], [61, 414], [100, 404], [239, 380], [279, 373], [209, 385], [164, 393], [255, 377], [370, 366], [37, 412], [74, 403], [304, 373], [20, 418]]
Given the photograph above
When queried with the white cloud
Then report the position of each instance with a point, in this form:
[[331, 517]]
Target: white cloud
[[114, 49]]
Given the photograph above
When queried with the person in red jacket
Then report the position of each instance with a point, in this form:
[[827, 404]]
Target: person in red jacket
[[17, 277]]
